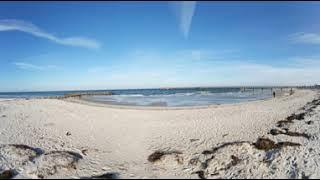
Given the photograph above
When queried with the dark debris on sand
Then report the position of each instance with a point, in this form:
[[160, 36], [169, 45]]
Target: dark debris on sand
[[308, 108], [103, 176], [267, 144], [200, 174], [84, 152], [309, 122], [223, 146], [157, 155], [205, 164], [193, 140], [37, 151], [264, 144], [234, 161], [8, 174], [275, 132], [299, 116]]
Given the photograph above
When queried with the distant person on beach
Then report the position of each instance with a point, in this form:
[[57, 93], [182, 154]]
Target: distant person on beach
[[291, 91], [274, 94]]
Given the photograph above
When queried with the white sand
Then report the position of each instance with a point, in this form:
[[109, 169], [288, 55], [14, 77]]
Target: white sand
[[119, 140]]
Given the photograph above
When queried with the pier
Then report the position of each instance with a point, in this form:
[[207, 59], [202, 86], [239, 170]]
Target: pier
[[244, 88], [79, 95]]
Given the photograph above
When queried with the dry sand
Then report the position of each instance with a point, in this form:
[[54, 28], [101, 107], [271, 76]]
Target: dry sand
[[50, 138]]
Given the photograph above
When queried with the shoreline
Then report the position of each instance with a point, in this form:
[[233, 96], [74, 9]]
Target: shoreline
[[142, 143], [147, 107]]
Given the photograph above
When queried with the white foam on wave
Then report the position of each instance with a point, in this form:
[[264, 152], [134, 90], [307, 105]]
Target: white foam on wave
[[185, 99], [128, 95]]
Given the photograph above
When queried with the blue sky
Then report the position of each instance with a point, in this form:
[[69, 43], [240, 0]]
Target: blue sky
[[111, 45]]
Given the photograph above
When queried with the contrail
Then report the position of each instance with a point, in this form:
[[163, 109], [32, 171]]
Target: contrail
[[184, 11]]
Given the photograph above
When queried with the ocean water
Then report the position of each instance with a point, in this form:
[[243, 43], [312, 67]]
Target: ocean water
[[162, 97]]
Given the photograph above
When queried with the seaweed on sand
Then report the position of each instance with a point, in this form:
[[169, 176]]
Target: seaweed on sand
[[223, 146], [103, 176], [157, 155], [275, 132], [8, 174], [267, 144]]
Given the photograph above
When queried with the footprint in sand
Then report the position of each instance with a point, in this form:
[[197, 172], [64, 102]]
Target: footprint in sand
[[166, 159], [35, 161], [52, 162], [13, 155]]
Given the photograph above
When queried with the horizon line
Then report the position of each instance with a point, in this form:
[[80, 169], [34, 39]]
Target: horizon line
[[177, 87]]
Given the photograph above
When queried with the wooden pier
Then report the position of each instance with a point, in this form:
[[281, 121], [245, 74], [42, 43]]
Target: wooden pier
[[79, 95]]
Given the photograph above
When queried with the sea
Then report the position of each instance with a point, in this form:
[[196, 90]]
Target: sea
[[171, 97]]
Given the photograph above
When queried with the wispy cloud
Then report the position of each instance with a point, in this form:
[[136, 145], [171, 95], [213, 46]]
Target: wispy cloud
[[184, 11], [308, 38], [27, 27], [28, 66]]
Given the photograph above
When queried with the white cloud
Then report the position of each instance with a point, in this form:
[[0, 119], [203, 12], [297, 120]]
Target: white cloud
[[96, 69], [207, 55], [184, 11], [18, 25], [308, 38], [262, 74], [306, 61], [200, 68], [28, 66]]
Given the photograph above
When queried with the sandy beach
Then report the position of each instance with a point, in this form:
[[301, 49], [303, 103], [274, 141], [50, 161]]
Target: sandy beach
[[54, 138]]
